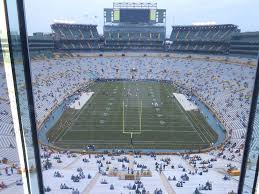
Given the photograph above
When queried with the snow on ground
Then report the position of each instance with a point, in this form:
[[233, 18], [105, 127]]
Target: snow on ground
[[83, 98], [72, 162], [55, 182], [214, 175], [12, 190], [9, 179], [186, 104]]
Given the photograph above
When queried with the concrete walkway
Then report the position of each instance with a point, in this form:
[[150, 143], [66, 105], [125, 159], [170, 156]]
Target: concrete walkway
[[68, 166], [91, 184], [131, 162], [167, 185]]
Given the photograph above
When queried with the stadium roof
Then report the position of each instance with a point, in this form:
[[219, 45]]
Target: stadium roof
[[130, 5], [196, 27], [248, 34], [65, 25]]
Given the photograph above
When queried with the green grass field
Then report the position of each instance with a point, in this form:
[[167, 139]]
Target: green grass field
[[143, 110]]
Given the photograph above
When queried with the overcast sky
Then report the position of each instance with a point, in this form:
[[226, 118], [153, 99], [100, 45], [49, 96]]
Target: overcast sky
[[244, 13]]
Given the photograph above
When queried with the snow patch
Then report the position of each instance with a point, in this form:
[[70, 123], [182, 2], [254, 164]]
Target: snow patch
[[80, 102], [186, 104]]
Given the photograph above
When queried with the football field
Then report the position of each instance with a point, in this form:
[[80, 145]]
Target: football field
[[132, 114]]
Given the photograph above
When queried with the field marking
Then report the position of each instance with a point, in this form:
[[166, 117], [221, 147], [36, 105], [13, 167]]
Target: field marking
[[123, 124], [160, 131], [150, 143], [82, 122], [153, 114], [78, 113], [205, 128], [101, 125], [198, 128], [120, 141], [202, 130], [61, 129], [140, 118], [81, 113], [185, 115], [127, 142]]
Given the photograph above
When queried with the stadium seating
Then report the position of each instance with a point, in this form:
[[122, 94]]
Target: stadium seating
[[75, 36], [134, 37], [245, 44], [225, 88], [208, 39]]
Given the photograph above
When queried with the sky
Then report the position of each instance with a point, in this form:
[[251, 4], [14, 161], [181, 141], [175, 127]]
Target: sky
[[41, 14]]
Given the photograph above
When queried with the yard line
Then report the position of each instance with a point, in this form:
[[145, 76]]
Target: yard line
[[110, 130], [186, 116], [87, 121], [120, 141], [76, 115]]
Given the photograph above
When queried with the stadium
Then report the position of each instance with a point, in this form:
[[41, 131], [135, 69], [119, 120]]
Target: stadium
[[135, 111]]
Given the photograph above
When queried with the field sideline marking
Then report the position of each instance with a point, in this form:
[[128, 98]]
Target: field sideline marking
[[126, 142], [77, 115], [123, 120], [160, 131], [82, 113], [120, 141], [186, 116], [204, 129]]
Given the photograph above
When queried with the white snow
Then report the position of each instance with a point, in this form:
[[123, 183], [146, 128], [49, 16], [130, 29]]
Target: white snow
[[70, 164], [185, 103], [79, 103]]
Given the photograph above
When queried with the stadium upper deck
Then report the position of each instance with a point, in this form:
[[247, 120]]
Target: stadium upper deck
[[245, 44], [142, 27], [221, 39], [209, 38], [75, 36]]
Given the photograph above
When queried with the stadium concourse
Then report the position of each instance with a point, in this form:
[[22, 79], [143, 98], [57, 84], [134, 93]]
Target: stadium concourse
[[224, 85]]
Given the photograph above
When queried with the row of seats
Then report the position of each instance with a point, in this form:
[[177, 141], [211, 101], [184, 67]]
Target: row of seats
[[211, 38]]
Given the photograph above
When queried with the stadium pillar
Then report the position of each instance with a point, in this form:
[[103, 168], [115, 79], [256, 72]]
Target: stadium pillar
[[248, 149], [18, 78]]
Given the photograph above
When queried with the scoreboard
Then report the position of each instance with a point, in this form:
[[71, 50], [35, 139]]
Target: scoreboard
[[135, 15]]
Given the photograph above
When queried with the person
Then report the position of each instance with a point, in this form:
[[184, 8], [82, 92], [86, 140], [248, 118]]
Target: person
[[19, 182], [3, 185], [6, 170], [75, 191]]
